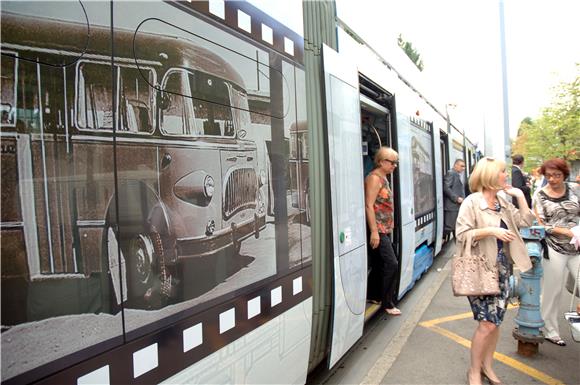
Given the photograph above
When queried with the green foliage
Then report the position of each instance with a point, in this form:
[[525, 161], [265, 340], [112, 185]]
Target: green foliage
[[411, 52], [556, 133]]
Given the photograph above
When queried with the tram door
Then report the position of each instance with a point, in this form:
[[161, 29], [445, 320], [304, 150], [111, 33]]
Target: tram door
[[347, 202], [439, 209]]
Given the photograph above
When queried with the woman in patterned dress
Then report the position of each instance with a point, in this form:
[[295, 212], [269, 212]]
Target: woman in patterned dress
[[379, 209], [489, 224], [557, 208]]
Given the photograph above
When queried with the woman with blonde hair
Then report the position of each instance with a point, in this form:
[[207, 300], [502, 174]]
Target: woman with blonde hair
[[489, 224], [379, 209]]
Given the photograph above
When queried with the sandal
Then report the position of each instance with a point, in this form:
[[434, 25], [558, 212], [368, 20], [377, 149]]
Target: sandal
[[393, 311], [556, 340]]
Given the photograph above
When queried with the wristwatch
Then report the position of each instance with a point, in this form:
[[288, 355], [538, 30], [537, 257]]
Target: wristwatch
[[549, 229]]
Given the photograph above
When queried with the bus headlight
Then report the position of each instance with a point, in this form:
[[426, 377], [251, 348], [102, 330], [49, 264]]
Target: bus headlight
[[210, 227], [197, 187], [208, 186]]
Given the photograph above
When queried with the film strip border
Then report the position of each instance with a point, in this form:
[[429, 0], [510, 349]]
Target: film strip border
[[251, 21], [424, 219], [420, 123], [164, 353]]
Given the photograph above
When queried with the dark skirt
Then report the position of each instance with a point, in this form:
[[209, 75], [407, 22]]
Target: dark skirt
[[492, 307]]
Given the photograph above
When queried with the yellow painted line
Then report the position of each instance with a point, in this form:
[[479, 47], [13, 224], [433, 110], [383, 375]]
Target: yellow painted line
[[436, 321], [527, 370]]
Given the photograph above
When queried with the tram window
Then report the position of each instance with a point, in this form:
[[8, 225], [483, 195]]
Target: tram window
[[7, 86], [93, 103], [136, 100]]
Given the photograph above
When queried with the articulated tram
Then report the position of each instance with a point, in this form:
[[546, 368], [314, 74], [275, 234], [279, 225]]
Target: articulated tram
[[179, 206]]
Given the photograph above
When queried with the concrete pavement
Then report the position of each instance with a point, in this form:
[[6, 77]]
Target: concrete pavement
[[429, 343]]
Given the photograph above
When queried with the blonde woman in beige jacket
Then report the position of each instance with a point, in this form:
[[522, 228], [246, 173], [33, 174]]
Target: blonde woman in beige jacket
[[490, 224]]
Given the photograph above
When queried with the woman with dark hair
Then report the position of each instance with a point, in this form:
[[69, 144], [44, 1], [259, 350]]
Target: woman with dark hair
[[557, 207]]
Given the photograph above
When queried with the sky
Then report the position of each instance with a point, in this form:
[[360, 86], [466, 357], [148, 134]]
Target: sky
[[459, 42]]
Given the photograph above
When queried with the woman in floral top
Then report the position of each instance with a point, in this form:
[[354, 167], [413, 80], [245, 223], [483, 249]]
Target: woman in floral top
[[556, 206], [379, 209]]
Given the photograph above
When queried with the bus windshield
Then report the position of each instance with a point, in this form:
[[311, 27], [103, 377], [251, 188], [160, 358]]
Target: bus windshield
[[198, 105]]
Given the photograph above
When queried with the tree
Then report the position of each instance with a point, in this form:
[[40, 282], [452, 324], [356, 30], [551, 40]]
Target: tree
[[519, 144], [411, 52], [556, 133]]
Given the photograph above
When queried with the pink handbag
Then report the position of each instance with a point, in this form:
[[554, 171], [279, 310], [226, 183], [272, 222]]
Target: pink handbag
[[471, 273]]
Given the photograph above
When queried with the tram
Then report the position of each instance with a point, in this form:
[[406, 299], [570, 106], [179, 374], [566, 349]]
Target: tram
[[171, 212]]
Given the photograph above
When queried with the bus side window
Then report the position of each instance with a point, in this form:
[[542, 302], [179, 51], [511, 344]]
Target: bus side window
[[7, 86], [94, 94], [136, 100], [28, 109], [52, 84]]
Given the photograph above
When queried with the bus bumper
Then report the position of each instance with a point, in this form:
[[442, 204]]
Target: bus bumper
[[210, 244]]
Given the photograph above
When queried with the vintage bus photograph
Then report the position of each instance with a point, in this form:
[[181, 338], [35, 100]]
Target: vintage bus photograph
[[145, 173]]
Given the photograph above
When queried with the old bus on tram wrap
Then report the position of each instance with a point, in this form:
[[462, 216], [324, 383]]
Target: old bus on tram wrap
[[147, 150]]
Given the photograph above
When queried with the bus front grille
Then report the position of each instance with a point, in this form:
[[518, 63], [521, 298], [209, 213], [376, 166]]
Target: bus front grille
[[240, 191]]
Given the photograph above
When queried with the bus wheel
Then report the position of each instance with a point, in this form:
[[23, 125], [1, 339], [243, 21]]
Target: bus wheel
[[139, 254]]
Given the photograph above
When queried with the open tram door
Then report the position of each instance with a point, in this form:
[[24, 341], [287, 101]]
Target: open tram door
[[378, 127], [347, 202], [442, 164]]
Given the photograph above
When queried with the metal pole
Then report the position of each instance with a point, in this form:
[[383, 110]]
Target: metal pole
[[506, 125]]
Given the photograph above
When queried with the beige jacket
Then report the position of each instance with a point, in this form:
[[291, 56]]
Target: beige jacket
[[475, 214]]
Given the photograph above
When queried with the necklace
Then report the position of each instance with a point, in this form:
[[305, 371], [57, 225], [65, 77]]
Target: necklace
[[491, 200]]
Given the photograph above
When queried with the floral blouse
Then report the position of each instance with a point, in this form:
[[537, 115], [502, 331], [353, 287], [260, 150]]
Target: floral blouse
[[559, 212], [384, 208]]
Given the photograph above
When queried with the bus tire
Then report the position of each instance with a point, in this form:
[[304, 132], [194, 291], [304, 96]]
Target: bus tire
[[140, 258]]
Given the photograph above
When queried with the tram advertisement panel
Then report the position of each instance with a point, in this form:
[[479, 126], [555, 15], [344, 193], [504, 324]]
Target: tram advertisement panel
[[422, 153], [151, 169]]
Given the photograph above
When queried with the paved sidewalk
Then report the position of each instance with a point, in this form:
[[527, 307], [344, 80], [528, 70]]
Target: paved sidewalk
[[437, 350], [429, 343]]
